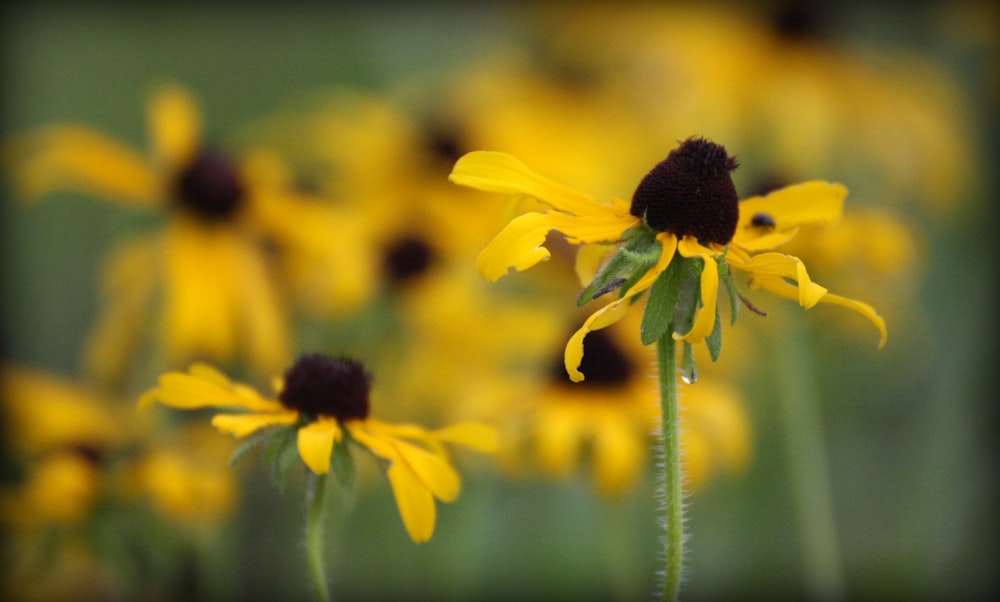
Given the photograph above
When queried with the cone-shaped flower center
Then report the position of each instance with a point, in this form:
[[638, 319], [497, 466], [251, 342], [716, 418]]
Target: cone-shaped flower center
[[318, 384], [691, 193], [210, 186], [604, 363], [407, 258]]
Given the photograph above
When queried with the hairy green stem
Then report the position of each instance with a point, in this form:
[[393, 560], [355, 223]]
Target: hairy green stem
[[805, 450], [315, 521], [673, 494]]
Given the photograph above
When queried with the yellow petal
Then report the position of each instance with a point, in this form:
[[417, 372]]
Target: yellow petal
[[261, 311], [241, 425], [194, 391], [128, 284], [518, 246], [474, 435], [434, 471], [862, 308], [174, 126], [613, 312], [76, 158], [813, 202], [704, 320], [769, 271], [415, 502], [316, 441], [203, 266], [558, 436], [500, 172]]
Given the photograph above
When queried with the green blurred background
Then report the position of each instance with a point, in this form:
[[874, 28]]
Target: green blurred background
[[910, 429]]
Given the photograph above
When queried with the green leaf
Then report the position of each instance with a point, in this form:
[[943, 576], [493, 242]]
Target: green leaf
[[714, 339]]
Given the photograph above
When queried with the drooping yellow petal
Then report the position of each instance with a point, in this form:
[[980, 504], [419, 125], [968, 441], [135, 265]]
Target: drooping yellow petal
[[415, 502], [128, 284], [437, 475], [66, 157], [618, 454], [558, 435], [499, 172], [201, 273], [316, 440], [194, 391], [613, 312], [518, 246], [261, 311], [814, 202], [241, 425], [174, 123], [770, 270], [704, 320], [862, 308]]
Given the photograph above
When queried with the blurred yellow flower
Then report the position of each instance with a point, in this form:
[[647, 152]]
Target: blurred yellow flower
[[187, 478], [230, 223], [326, 401]]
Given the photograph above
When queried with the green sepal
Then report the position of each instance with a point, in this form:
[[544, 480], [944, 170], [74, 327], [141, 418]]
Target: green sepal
[[640, 252], [726, 276], [248, 445], [714, 338], [282, 451], [689, 368], [342, 463]]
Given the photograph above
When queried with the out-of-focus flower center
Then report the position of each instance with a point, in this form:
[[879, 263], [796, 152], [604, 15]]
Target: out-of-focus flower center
[[210, 186], [406, 259], [604, 363], [691, 193], [318, 384]]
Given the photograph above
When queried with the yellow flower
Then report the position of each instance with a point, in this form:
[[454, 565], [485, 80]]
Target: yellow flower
[[188, 482], [229, 223], [326, 400], [686, 206]]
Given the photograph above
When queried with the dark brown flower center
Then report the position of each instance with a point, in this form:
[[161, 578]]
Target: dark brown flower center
[[406, 259], [210, 186], [604, 363], [318, 384], [691, 193]]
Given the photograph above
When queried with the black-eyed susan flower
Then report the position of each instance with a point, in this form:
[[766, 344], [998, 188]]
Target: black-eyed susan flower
[[325, 402], [684, 231], [687, 206], [239, 239]]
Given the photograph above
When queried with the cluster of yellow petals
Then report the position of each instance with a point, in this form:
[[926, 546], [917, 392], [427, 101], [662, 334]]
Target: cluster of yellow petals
[[584, 219]]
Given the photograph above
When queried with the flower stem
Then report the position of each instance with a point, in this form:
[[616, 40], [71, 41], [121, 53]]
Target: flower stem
[[799, 403], [315, 515], [673, 494]]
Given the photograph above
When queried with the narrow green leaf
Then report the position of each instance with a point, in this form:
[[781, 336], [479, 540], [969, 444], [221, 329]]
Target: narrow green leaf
[[249, 444], [633, 259], [342, 463], [726, 275], [714, 339]]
